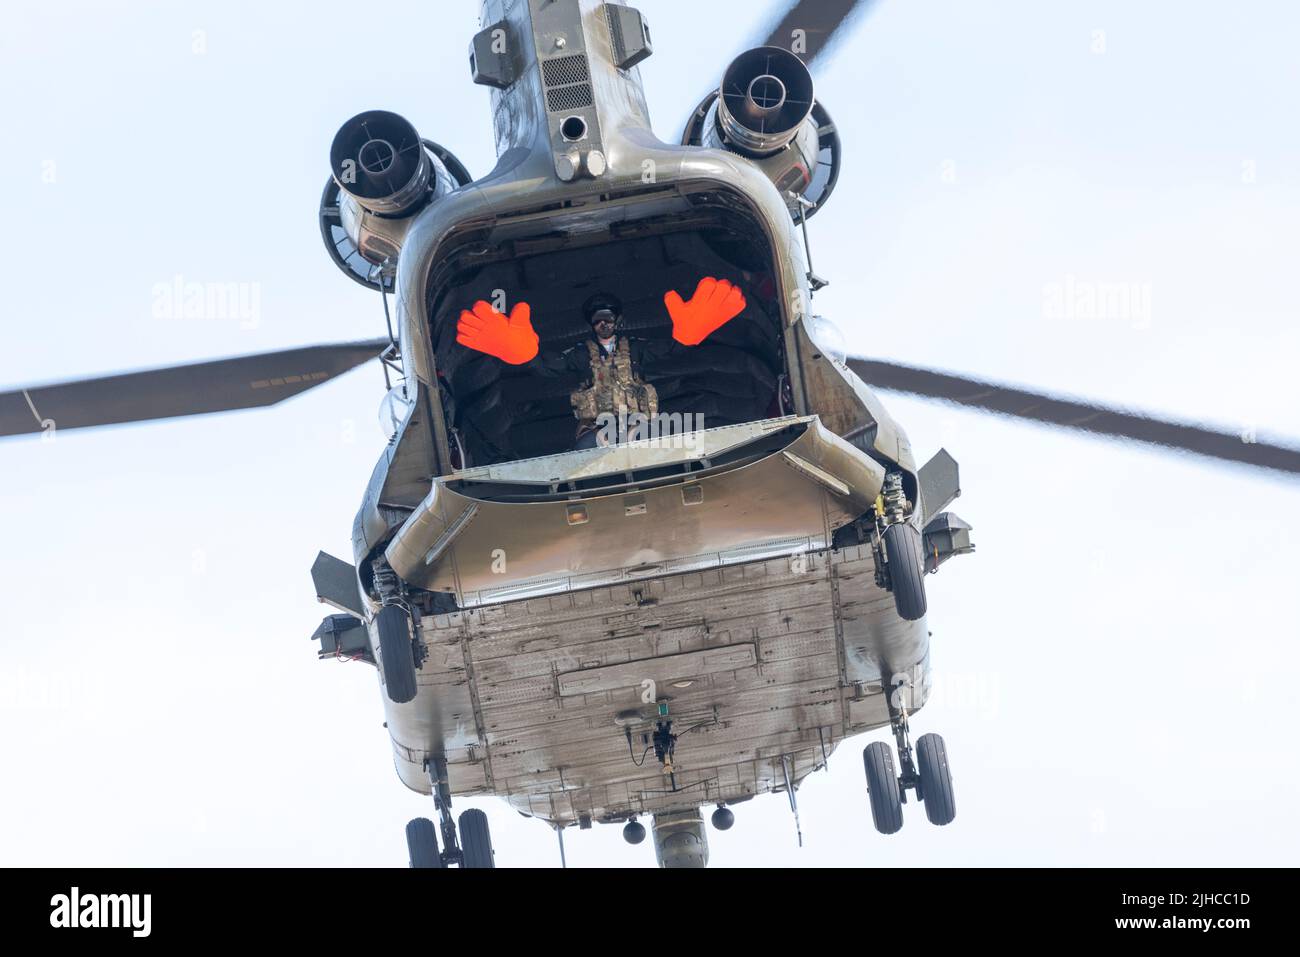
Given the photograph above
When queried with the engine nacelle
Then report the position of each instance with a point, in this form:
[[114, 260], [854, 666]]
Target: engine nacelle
[[765, 110], [377, 159], [766, 95], [383, 173]]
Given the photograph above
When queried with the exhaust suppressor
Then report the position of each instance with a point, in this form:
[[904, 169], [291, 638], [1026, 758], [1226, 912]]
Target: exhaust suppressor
[[766, 95], [377, 159]]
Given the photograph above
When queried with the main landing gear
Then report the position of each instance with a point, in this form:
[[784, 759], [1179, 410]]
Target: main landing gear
[[474, 847], [401, 652], [396, 627], [396, 652], [898, 547], [928, 775]]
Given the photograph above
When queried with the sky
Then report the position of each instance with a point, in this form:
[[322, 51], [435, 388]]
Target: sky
[[1115, 667]]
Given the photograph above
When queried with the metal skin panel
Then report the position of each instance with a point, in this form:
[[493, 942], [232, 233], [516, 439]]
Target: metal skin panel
[[378, 237], [792, 166], [847, 406], [828, 641], [826, 645], [940, 483], [636, 164], [487, 551], [662, 670], [589, 463], [336, 584]]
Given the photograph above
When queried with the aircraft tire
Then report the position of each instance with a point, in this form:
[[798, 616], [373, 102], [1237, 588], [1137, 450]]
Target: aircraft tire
[[422, 843], [476, 840], [394, 625], [936, 779], [903, 551], [882, 787]]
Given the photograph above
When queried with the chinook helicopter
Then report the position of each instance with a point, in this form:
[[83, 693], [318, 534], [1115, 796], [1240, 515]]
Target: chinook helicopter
[[734, 599]]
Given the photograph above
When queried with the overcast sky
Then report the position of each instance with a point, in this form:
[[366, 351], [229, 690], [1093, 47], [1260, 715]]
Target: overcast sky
[[1115, 668]]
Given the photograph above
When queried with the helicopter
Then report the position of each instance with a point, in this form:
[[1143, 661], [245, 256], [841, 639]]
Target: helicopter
[[522, 600]]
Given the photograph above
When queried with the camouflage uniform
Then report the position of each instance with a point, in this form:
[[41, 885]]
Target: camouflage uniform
[[614, 385], [615, 388]]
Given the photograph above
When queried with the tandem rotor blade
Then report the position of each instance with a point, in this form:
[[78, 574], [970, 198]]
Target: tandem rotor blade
[[821, 22], [242, 382], [1074, 414]]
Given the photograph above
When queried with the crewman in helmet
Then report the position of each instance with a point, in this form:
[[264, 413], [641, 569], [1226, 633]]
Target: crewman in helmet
[[609, 362]]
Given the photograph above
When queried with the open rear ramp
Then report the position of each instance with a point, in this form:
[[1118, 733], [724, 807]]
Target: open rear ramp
[[643, 509]]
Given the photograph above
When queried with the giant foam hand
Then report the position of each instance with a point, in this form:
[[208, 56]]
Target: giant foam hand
[[715, 303], [510, 339]]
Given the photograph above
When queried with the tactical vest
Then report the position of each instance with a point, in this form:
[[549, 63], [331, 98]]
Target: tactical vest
[[614, 388]]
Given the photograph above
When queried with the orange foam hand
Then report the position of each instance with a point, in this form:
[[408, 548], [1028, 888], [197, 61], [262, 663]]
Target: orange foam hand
[[715, 303], [510, 339]]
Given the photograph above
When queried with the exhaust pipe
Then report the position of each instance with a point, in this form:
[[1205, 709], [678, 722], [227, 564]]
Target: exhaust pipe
[[377, 159], [766, 95]]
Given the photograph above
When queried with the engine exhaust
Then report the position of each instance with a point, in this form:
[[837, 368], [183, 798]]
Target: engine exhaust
[[766, 95], [377, 159]]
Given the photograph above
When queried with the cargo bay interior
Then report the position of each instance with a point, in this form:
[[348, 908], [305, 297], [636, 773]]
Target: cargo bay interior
[[501, 413]]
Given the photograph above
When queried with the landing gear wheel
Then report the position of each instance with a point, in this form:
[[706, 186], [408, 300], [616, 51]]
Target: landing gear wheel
[[475, 841], [882, 787], [936, 779], [422, 843], [906, 560], [394, 625]]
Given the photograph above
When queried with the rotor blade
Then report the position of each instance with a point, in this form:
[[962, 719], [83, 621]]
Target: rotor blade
[[820, 21], [1074, 414], [242, 382]]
